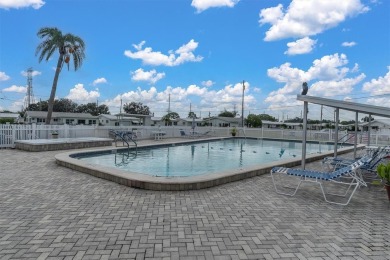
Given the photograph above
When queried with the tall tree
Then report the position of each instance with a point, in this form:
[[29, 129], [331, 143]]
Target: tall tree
[[228, 113], [136, 108], [65, 105], [93, 109], [69, 47], [254, 120], [192, 115], [169, 117], [266, 117]]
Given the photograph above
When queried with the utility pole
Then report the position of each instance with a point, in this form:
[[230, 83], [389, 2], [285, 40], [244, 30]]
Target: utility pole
[[242, 105], [321, 117], [169, 103]]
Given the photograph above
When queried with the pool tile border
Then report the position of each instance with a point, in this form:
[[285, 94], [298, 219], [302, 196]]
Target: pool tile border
[[143, 181]]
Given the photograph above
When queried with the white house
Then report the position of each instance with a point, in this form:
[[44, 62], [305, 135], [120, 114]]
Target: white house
[[114, 120], [61, 118], [136, 119], [381, 125], [219, 121], [189, 121]]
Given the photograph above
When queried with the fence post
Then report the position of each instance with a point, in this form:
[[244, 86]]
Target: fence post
[[66, 131], [33, 131], [13, 135]]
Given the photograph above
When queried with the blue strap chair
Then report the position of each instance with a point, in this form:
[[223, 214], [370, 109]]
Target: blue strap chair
[[347, 176]]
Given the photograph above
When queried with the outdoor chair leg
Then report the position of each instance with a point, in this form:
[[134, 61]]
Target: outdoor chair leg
[[295, 189]]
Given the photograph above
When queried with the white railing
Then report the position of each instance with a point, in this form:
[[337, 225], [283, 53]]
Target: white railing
[[10, 133]]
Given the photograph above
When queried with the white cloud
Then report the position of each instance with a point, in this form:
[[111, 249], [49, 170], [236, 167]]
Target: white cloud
[[202, 5], [329, 77], [379, 86], [33, 73], [174, 58], [305, 18], [7, 4], [99, 81], [329, 67], [348, 44], [150, 76], [3, 76], [301, 46], [335, 88], [17, 89], [208, 83], [80, 95]]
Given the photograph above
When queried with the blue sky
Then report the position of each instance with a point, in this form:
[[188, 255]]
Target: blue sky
[[198, 52]]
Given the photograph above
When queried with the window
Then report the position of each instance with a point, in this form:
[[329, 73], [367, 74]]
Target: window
[[81, 121], [92, 122], [69, 121], [41, 120]]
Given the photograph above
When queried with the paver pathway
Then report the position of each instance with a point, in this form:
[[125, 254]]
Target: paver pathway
[[51, 212]]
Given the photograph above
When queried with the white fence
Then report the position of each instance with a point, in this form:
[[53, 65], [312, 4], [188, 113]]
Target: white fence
[[9, 133]]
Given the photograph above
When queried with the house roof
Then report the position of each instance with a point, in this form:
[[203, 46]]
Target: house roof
[[115, 117], [9, 115], [132, 115], [43, 114]]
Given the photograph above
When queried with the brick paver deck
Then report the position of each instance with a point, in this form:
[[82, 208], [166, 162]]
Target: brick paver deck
[[51, 212]]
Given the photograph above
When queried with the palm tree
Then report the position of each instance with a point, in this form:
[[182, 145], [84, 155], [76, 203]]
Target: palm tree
[[69, 47]]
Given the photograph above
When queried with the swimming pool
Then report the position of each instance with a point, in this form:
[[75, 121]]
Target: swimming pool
[[231, 160], [201, 158]]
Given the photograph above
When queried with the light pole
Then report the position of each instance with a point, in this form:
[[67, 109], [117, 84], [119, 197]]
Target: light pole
[[242, 105]]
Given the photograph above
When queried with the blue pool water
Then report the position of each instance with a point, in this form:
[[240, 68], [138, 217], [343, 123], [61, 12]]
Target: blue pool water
[[202, 157]]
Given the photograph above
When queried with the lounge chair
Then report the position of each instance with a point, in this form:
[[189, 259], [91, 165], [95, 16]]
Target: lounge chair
[[368, 170], [347, 176], [193, 134]]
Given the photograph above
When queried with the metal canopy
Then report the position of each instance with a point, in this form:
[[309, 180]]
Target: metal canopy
[[338, 104], [346, 105]]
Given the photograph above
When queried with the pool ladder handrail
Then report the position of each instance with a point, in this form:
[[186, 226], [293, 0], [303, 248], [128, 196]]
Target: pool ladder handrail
[[124, 136], [242, 130]]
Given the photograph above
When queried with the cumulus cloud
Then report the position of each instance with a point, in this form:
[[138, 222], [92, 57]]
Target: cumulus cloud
[[379, 86], [305, 18], [329, 75], [17, 89], [208, 83], [329, 67], [202, 5], [99, 81], [301, 46], [150, 76], [7, 4], [348, 44], [174, 58], [81, 95], [3, 76], [33, 73]]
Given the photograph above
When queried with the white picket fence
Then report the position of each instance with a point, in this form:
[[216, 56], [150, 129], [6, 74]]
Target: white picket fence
[[9, 133]]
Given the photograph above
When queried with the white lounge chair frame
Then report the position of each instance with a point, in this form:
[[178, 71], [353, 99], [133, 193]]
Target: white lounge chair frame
[[347, 176]]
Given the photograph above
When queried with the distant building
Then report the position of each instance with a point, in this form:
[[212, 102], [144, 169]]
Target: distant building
[[60, 118], [136, 119], [219, 121]]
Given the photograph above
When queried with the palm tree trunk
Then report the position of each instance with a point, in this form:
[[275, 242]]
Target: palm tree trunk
[[54, 89]]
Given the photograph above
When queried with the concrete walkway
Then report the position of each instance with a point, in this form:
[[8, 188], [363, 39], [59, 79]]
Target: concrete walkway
[[51, 212]]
